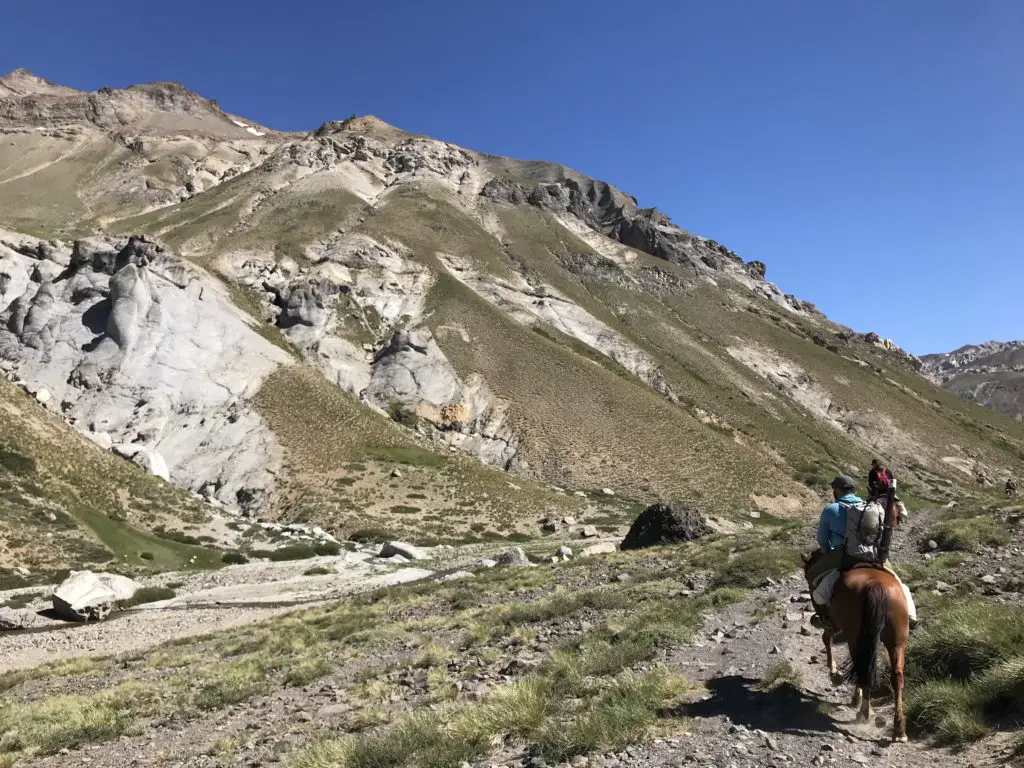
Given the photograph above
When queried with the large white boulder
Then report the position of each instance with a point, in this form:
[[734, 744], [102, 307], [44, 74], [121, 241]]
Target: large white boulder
[[85, 595]]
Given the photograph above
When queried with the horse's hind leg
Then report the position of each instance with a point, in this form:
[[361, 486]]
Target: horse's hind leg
[[864, 715], [858, 697], [861, 695], [830, 656], [899, 725]]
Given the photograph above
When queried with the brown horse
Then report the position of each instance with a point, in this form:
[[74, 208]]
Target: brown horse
[[868, 606]]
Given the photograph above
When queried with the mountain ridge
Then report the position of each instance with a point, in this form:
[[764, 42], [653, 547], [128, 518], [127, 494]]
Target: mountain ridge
[[508, 331]]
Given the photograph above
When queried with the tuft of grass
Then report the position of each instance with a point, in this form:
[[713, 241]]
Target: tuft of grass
[[779, 674], [966, 670], [532, 710], [234, 558], [231, 683], [963, 639], [753, 567], [626, 713], [317, 570], [305, 670], [67, 722], [969, 534]]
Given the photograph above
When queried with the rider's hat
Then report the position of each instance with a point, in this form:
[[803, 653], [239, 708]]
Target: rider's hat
[[844, 483]]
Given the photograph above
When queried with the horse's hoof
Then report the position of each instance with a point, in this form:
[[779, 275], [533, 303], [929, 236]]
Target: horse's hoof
[[899, 739], [837, 679]]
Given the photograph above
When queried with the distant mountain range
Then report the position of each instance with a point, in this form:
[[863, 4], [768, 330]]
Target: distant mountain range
[[991, 374]]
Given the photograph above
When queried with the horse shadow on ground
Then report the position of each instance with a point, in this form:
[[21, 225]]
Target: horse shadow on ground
[[784, 709]]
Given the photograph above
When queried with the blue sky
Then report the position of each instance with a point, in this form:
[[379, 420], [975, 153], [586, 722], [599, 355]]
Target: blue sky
[[870, 153]]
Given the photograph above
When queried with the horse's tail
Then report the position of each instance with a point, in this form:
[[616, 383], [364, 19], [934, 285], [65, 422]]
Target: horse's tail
[[874, 614]]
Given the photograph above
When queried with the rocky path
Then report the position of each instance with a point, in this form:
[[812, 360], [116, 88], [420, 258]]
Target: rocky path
[[762, 694]]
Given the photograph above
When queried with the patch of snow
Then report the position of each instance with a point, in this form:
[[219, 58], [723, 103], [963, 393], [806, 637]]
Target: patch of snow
[[253, 131], [240, 124]]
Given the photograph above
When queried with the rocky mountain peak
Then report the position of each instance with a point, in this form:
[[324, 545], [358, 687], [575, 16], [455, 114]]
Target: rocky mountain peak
[[991, 355], [158, 108], [22, 82]]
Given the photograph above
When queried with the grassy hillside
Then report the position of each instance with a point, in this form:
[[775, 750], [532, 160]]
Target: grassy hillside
[[360, 472]]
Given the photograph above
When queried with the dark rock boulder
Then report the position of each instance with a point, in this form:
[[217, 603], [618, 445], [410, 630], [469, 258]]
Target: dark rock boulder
[[665, 524]]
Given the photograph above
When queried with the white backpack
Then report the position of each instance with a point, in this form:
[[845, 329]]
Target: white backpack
[[864, 525]]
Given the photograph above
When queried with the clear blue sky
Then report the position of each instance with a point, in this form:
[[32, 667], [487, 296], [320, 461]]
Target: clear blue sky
[[870, 153]]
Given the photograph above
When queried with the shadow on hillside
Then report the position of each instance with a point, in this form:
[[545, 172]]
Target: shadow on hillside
[[786, 709]]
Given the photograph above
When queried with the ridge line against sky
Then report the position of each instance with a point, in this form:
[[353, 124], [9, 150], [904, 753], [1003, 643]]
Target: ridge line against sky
[[868, 153]]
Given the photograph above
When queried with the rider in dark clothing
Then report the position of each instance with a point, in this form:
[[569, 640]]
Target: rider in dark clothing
[[879, 479]]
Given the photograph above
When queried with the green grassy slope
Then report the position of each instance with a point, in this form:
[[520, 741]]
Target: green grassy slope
[[340, 467]]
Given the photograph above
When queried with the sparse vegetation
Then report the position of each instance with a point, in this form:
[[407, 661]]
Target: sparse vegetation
[[780, 674], [598, 691], [297, 551], [54, 480], [966, 670], [755, 566], [968, 533]]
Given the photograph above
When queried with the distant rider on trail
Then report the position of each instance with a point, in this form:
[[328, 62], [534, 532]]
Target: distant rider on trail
[[879, 479], [849, 531]]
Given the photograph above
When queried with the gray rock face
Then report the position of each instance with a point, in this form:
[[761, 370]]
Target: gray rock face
[[88, 596], [605, 209], [140, 350], [665, 524]]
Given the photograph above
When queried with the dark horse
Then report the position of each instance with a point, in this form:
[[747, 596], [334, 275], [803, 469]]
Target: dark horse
[[868, 606]]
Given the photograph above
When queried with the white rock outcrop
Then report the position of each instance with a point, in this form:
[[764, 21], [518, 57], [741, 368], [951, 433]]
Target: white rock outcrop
[[145, 353], [88, 596]]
